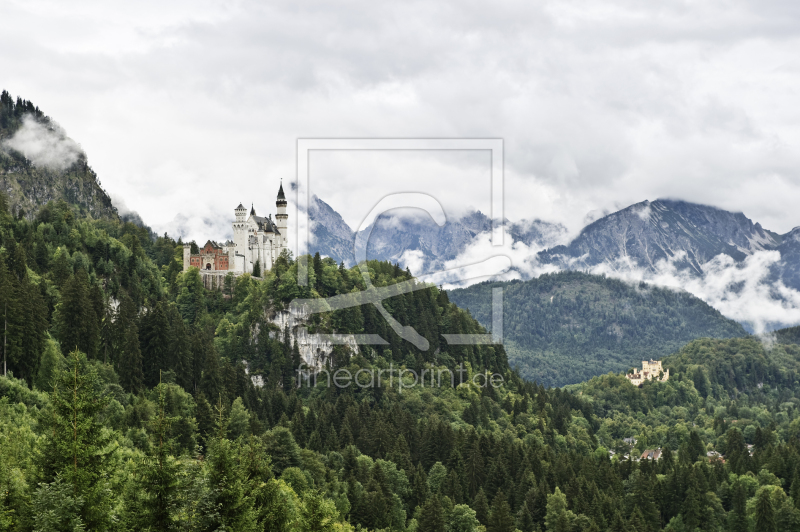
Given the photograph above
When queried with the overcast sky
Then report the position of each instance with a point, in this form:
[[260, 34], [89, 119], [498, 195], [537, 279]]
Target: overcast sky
[[187, 108]]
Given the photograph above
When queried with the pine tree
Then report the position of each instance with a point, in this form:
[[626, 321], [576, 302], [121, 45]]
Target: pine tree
[[559, 518], [205, 419], [155, 490], [191, 296], [283, 449], [76, 321], [765, 513], [432, 516], [155, 341], [76, 447], [500, 517], [211, 383], [737, 519], [6, 300], [52, 362], [231, 507], [693, 504], [61, 267], [481, 506]]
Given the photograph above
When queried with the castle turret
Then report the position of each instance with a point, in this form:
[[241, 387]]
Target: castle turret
[[239, 236], [187, 255], [281, 218], [241, 212]]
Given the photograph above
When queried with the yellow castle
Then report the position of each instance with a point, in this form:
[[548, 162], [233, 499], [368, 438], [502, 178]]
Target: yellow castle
[[650, 370]]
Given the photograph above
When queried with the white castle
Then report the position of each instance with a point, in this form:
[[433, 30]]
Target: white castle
[[256, 240], [651, 370]]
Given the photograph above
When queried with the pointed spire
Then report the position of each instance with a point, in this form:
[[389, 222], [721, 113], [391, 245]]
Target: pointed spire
[[281, 195], [252, 210]]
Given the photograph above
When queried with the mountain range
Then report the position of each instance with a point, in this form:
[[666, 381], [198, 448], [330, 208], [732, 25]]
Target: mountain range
[[665, 241], [644, 235], [405, 238]]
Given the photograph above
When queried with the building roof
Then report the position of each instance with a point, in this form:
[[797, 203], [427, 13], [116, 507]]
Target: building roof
[[240, 207], [281, 195], [264, 224], [252, 210], [651, 454]]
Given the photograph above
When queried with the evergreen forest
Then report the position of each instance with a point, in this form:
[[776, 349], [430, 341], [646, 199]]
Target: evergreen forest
[[564, 328], [134, 398]]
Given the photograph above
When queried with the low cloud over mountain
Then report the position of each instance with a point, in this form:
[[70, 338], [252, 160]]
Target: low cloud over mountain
[[747, 272]]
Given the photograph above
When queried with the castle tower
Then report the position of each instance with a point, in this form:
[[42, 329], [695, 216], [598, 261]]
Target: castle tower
[[239, 236], [282, 220], [187, 254], [241, 212]]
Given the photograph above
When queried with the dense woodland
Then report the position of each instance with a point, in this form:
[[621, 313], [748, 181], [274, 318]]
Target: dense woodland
[[129, 401], [564, 328], [130, 408]]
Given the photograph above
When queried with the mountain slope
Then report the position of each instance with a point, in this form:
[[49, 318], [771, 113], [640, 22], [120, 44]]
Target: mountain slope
[[39, 164], [416, 241], [788, 269], [567, 327], [330, 234], [686, 233]]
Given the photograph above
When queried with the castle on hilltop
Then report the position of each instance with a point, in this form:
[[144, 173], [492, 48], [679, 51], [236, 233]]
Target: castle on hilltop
[[651, 370], [256, 240]]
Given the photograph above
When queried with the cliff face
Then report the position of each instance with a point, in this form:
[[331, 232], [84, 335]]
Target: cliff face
[[39, 163]]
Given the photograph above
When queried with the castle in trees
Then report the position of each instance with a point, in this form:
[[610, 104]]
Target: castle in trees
[[650, 370], [256, 240]]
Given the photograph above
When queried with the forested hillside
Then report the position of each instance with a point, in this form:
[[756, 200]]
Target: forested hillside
[[130, 408], [731, 410], [567, 327], [39, 164]]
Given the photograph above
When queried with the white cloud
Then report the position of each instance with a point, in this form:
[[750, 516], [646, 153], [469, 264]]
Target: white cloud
[[601, 104], [46, 146], [744, 292], [521, 259], [741, 291]]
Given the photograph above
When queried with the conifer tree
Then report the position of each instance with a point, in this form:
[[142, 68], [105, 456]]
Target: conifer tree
[[765, 513], [52, 361], [231, 507], [283, 450], [559, 518], [481, 506], [130, 362], [500, 518], [76, 449], [693, 504], [6, 300], [155, 341], [76, 321], [432, 516], [62, 267], [191, 296], [155, 490], [737, 519], [211, 383]]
